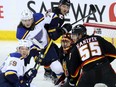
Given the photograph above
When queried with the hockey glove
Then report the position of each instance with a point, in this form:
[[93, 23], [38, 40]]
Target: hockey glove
[[39, 58], [66, 28], [30, 74], [20, 83]]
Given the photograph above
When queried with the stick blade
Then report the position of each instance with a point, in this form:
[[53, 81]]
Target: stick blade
[[92, 7]]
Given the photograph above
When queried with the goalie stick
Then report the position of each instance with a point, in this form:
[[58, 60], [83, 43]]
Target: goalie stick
[[93, 12]]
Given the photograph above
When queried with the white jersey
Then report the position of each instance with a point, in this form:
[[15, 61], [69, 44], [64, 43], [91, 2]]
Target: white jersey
[[14, 63], [39, 35]]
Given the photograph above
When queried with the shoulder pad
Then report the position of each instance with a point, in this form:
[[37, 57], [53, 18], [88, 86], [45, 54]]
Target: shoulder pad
[[21, 32], [38, 16], [16, 55]]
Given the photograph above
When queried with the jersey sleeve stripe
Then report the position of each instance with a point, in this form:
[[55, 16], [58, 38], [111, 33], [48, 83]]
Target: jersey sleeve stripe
[[51, 30], [10, 73], [25, 35], [91, 60], [111, 55], [76, 72], [39, 20]]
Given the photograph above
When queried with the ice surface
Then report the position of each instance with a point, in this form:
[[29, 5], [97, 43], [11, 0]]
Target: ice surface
[[7, 47]]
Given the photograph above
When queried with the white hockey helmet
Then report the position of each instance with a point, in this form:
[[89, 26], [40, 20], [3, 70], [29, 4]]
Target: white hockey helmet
[[25, 43], [26, 14]]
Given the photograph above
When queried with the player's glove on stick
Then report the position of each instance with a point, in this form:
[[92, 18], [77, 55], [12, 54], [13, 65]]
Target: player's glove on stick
[[30, 74]]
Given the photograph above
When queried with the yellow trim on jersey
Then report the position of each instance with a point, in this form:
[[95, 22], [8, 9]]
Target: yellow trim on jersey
[[51, 30], [21, 58], [56, 16], [39, 20], [10, 73], [111, 55], [34, 47], [25, 35], [35, 58], [47, 48], [92, 60], [76, 73]]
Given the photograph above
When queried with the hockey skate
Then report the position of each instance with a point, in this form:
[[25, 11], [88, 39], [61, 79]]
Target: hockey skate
[[47, 75]]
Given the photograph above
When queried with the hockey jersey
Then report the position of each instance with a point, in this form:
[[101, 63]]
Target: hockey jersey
[[90, 51], [44, 27], [39, 33], [13, 64]]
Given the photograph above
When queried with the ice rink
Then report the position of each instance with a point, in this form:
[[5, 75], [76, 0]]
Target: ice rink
[[7, 47]]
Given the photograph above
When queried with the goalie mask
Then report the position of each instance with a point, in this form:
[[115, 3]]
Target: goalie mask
[[66, 41]]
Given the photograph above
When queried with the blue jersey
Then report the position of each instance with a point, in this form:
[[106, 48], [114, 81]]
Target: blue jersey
[[54, 27]]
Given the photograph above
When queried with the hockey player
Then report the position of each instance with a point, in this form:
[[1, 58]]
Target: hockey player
[[38, 28], [66, 46], [91, 54], [13, 69], [55, 28]]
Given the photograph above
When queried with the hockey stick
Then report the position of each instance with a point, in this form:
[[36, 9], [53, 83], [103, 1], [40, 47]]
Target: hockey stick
[[45, 53], [93, 11], [60, 79], [37, 65]]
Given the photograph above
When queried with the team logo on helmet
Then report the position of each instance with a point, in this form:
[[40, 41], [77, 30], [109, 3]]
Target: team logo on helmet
[[26, 14]]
